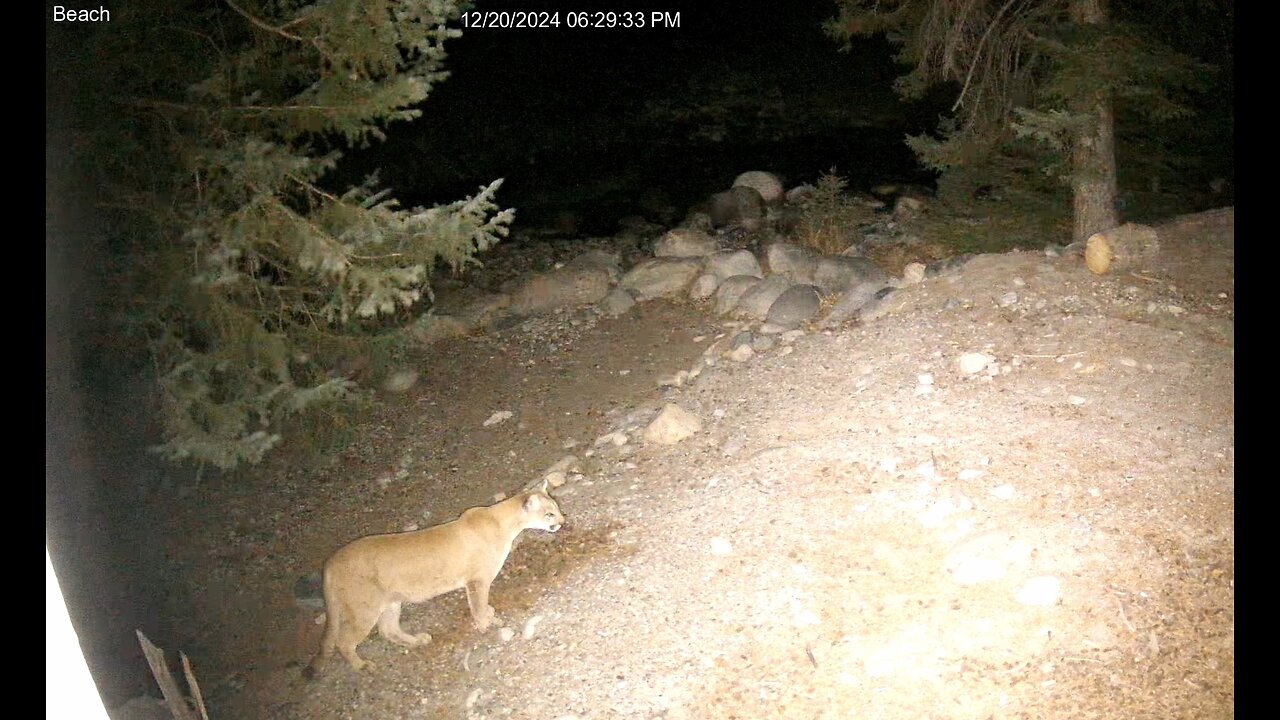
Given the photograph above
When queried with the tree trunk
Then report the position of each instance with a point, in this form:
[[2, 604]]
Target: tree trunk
[[1093, 158]]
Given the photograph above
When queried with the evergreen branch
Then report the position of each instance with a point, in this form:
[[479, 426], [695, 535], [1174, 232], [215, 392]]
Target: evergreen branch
[[376, 257], [239, 258], [152, 104], [319, 231], [311, 187], [282, 108], [263, 24]]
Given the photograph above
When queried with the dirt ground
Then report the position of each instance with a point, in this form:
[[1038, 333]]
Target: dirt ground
[[861, 529]]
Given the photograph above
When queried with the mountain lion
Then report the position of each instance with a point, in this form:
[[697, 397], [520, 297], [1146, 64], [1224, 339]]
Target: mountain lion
[[367, 580]]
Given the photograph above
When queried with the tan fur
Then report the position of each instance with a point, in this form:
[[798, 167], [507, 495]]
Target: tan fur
[[367, 581]]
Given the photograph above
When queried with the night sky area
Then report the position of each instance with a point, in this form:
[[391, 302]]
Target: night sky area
[[585, 119]]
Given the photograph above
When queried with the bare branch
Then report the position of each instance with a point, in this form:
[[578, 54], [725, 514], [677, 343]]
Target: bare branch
[[977, 53]]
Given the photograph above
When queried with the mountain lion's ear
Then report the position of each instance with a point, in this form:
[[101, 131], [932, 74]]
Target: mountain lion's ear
[[530, 503], [545, 487]]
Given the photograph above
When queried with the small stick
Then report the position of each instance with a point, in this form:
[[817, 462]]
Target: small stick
[[1060, 355], [196, 695], [1125, 617]]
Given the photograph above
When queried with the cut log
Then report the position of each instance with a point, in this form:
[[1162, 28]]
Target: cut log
[[1127, 247]]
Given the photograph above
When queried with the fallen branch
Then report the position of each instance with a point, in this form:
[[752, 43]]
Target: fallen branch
[[179, 706]]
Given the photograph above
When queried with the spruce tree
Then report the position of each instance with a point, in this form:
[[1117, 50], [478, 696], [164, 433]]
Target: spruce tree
[[245, 272], [1034, 85]]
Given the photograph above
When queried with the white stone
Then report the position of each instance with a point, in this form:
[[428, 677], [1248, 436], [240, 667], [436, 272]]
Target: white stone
[[497, 417], [974, 362], [1040, 591]]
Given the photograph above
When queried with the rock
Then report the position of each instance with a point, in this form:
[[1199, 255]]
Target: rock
[[974, 362], [498, 417], [984, 557], [480, 312], [698, 219], [800, 193], [762, 343], [610, 262], [704, 287], [886, 190], [684, 242], [672, 425], [1040, 591], [795, 305], [913, 273], [757, 301], [880, 305], [530, 627], [617, 438], [565, 464], [742, 353], [731, 291], [727, 263], [937, 513], [636, 225], [720, 546], [1127, 247], [430, 329], [676, 380], [563, 287], [765, 183], [792, 261], [835, 274], [739, 207], [853, 302], [474, 307], [400, 381], [617, 302], [907, 207], [661, 277], [946, 265]]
